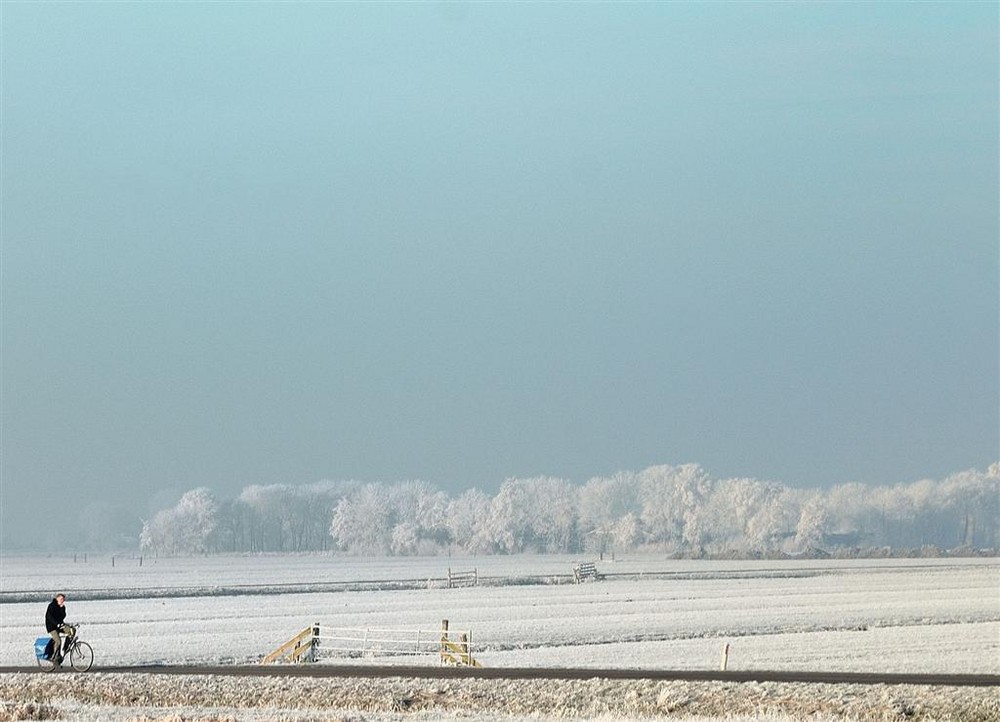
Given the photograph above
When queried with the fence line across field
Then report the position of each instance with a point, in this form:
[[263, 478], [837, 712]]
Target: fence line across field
[[318, 640], [466, 578], [371, 640]]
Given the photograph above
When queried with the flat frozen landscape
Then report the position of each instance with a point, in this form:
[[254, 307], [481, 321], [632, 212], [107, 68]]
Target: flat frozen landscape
[[893, 615]]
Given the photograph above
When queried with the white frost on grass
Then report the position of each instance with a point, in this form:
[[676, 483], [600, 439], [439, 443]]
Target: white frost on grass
[[115, 697], [969, 648], [869, 615], [52, 573]]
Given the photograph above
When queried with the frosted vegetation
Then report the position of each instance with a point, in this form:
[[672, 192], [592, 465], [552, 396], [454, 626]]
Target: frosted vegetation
[[679, 510], [857, 615], [899, 615]]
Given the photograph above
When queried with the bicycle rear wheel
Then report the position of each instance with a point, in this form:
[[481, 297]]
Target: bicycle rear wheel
[[81, 657], [46, 665]]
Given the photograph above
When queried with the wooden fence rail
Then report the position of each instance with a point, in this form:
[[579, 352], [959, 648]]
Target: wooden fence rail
[[469, 578], [585, 572], [314, 641], [457, 653], [300, 648]]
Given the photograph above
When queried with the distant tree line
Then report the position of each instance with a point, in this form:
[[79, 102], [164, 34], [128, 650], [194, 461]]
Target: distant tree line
[[679, 510]]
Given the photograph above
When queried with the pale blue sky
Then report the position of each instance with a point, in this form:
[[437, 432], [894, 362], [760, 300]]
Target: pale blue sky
[[267, 242]]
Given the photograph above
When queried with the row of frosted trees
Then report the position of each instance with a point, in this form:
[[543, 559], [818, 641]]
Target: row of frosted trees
[[675, 509]]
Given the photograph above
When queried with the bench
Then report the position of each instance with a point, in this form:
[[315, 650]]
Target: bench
[[468, 578], [585, 572]]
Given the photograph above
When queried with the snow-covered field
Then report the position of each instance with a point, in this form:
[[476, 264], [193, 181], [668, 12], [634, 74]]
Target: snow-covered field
[[937, 615], [889, 615]]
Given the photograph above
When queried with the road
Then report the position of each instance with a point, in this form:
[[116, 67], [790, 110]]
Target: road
[[341, 670]]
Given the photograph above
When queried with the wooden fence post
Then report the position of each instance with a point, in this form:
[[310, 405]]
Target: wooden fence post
[[444, 640]]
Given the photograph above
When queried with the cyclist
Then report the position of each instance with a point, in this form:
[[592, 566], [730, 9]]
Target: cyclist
[[55, 617]]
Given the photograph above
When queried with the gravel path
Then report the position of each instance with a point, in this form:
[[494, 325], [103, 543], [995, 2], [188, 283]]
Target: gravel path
[[142, 698]]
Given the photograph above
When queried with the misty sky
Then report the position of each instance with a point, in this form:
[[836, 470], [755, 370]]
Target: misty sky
[[252, 243]]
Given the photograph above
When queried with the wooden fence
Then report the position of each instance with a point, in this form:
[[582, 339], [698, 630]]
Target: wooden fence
[[300, 648], [315, 641], [457, 653], [469, 578], [585, 572]]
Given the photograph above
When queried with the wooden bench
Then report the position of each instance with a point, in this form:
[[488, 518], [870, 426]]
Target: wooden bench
[[585, 572], [468, 578]]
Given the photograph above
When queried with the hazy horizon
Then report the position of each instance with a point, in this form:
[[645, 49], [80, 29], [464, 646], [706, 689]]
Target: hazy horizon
[[259, 243]]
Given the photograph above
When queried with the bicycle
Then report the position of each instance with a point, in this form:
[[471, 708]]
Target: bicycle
[[80, 654]]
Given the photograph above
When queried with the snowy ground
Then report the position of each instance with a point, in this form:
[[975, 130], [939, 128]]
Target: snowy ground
[[127, 698], [889, 615], [885, 615]]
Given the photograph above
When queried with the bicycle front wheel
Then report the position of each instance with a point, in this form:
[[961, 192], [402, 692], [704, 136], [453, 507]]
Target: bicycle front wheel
[[81, 657]]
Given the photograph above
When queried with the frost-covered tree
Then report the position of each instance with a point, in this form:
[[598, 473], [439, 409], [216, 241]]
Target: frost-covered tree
[[775, 521], [259, 510], [680, 509], [537, 514], [284, 517], [662, 515], [401, 519], [747, 516], [186, 528], [852, 517], [467, 519], [321, 500], [419, 513], [673, 505], [406, 518], [904, 514], [971, 500], [813, 524], [603, 504], [556, 521], [363, 521], [626, 532]]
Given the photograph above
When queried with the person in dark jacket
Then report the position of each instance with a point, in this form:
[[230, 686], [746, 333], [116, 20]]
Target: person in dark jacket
[[55, 618]]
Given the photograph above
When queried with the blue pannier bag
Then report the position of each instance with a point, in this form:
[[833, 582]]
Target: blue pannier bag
[[43, 647]]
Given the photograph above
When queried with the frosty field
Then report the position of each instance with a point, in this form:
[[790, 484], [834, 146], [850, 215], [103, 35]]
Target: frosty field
[[919, 615], [886, 615]]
